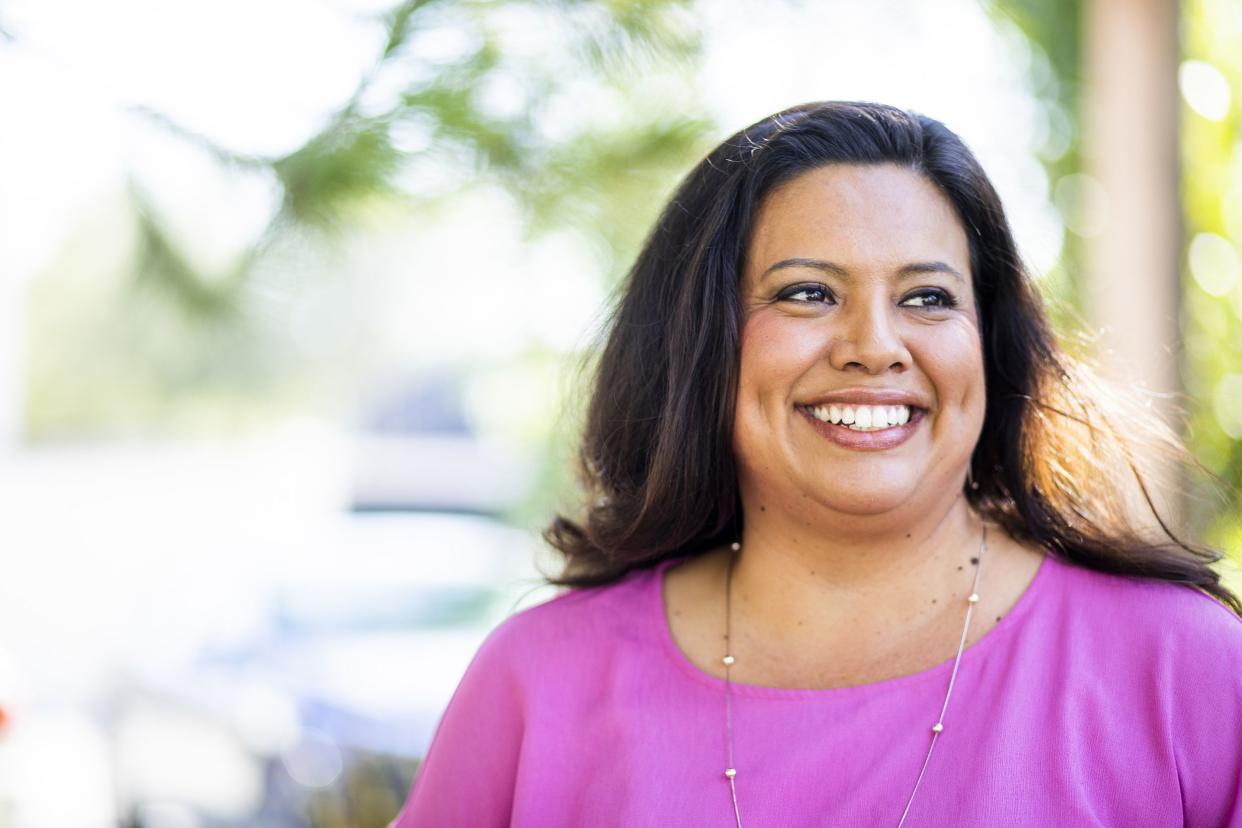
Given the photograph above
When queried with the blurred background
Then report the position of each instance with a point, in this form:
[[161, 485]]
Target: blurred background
[[295, 297]]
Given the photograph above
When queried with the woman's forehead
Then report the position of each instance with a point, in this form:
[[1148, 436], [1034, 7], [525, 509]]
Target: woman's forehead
[[878, 218]]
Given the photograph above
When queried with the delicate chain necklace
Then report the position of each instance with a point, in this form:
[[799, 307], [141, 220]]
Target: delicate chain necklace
[[936, 729]]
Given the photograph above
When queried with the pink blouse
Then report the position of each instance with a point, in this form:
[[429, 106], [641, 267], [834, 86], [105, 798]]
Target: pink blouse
[[1097, 701]]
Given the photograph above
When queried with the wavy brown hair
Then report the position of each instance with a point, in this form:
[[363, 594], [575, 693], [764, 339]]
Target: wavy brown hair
[[1058, 462]]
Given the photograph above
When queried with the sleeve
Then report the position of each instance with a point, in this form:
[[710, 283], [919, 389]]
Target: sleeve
[[1208, 719], [467, 777]]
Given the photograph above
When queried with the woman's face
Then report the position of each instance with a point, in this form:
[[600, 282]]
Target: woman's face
[[861, 384]]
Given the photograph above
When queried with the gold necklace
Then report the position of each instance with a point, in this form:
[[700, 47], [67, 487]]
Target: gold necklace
[[936, 729]]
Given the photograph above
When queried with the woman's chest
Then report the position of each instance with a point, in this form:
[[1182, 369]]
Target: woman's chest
[[1009, 755]]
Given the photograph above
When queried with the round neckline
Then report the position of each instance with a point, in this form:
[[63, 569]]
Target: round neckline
[[1011, 620]]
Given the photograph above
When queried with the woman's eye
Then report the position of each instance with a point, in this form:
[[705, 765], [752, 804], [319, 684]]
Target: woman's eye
[[806, 293], [930, 299]]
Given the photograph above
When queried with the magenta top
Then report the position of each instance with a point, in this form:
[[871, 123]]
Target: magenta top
[[1097, 701]]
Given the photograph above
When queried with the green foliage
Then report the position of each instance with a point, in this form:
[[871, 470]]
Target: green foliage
[[352, 161], [1053, 31], [549, 100], [1212, 324], [162, 267], [355, 159], [610, 185]]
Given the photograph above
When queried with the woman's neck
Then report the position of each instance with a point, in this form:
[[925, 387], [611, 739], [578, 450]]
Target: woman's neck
[[860, 575]]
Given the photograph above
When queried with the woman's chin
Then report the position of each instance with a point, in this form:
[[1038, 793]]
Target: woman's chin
[[869, 500]]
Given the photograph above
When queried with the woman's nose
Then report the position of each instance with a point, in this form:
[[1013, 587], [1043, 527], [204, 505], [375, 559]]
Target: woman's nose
[[866, 338]]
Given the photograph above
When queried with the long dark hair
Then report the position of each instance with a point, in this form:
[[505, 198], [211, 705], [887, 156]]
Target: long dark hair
[[1051, 466]]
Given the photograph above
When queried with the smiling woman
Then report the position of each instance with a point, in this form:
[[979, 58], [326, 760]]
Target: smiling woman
[[829, 395]]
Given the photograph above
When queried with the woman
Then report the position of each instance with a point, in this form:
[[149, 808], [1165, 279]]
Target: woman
[[860, 548]]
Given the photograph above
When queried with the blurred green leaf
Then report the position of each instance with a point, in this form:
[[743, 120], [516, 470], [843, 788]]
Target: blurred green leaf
[[351, 162], [161, 265]]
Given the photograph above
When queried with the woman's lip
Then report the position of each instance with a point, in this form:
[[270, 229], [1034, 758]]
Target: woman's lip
[[867, 396], [884, 438]]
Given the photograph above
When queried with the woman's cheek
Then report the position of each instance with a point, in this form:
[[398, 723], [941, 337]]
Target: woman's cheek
[[777, 345]]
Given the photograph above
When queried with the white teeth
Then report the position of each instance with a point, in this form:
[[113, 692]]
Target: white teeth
[[863, 417]]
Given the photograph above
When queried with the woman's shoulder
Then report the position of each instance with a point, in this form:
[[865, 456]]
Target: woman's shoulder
[[1175, 620], [580, 621], [535, 671]]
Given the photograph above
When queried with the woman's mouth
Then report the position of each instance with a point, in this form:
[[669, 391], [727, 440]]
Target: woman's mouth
[[864, 426], [862, 417]]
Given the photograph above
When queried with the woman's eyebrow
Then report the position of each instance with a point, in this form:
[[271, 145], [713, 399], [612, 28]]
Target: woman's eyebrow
[[912, 269]]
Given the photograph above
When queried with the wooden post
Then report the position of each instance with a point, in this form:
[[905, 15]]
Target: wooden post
[[1130, 148]]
